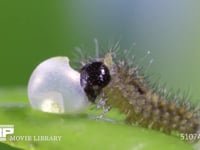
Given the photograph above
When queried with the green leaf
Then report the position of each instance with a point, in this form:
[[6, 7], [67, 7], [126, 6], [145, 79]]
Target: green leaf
[[77, 131]]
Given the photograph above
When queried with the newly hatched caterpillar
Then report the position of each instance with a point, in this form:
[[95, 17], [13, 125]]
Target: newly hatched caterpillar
[[118, 85]]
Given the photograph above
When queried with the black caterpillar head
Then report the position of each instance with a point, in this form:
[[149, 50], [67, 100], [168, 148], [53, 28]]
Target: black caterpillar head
[[94, 77]]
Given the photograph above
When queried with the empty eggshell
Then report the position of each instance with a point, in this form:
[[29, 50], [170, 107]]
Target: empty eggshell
[[55, 87]]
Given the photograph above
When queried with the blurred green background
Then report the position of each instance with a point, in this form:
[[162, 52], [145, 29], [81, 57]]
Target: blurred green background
[[31, 31]]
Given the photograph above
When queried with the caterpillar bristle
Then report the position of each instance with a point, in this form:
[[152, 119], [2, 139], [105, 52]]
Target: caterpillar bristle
[[144, 106], [144, 102]]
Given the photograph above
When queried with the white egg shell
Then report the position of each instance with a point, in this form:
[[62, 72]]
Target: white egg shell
[[55, 87]]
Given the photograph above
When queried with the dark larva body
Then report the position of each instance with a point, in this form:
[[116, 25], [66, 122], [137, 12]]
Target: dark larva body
[[128, 92], [147, 108]]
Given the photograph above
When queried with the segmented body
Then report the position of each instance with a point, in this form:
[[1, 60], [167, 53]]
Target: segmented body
[[128, 92]]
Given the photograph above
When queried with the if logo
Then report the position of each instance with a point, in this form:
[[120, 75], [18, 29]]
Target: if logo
[[5, 130]]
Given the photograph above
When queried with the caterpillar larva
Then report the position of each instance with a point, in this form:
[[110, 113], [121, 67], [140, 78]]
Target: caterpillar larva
[[120, 86]]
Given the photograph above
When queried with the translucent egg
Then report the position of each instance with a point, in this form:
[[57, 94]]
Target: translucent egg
[[55, 87]]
